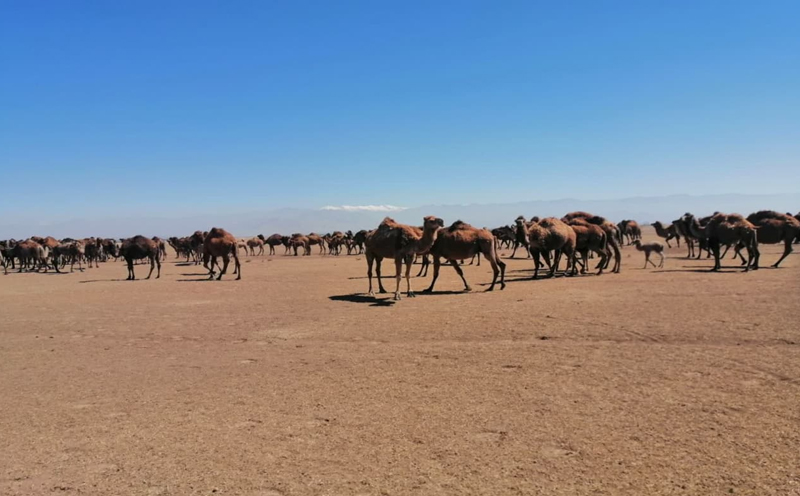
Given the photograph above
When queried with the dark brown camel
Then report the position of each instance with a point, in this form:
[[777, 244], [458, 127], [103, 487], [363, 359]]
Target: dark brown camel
[[138, 248]]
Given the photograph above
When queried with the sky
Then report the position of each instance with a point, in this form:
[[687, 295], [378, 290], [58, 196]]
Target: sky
[[183, 107]]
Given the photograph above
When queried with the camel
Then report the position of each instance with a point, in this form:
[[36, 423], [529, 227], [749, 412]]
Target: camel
[[162, 247], [358, 240], [667, 232], [630, 229], [316, 239], [241, 244], [221, 243], [682, 229], [520, 236], [400, 242], [72, 252], [613, 235], [550, 234], [92, 250], [773, 228], [649, 248], [732, 229], [300, 241], [254, 243], [197, 241], [31, 255], [272, 241], [138, 248], [461, 241], [503, 236], [589, 237]]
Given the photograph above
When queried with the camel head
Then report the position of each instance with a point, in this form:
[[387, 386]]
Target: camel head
[[432, 222]]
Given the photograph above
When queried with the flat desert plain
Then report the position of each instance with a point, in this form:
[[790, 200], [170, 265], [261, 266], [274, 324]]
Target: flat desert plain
[[292, 381]]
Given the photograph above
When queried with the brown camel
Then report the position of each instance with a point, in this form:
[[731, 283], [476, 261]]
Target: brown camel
[[300, 241], [589, 237], [550, 234], [520, 236], [773, 228], [221, 243], [137, 248], [400, 242], [667, 232], [732, 229], [316, 239], [461, 241], [613, 235], [630, 229], [254, 243], [31, 255]]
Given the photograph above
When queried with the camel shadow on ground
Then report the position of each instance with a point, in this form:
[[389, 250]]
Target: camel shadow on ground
[[362, 298], [110, 280]]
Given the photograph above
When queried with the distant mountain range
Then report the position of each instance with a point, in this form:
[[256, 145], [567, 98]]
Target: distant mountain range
[[327, 219]]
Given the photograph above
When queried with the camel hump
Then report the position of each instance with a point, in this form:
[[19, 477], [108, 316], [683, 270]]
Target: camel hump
[[388, 222], [458, 226]]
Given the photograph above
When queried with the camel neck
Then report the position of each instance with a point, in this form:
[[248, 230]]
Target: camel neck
[[427, 240]]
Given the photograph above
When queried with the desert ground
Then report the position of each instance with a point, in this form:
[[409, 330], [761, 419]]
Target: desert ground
[[292, 381]]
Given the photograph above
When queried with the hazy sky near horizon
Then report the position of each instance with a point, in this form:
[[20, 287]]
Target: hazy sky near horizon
[[180, 107]]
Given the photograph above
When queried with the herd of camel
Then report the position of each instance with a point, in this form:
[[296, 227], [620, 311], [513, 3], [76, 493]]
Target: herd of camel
[[573, 238]]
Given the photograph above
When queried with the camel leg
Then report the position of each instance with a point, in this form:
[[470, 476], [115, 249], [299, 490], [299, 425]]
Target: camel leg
[[536, 263], [661, 264], [498, 266], [603, 261], [516, 244], [158, 264], [131, 274], [370, 259], [226, 260], [378, 272], [436, 264], [646, 259], [786, 251], [398, 275], [238, 266], [715, 249], [755, 254], [460, 272], [152, 265], [424, 265]]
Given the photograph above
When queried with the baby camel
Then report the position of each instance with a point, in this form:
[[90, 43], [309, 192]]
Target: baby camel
[[649, 248]]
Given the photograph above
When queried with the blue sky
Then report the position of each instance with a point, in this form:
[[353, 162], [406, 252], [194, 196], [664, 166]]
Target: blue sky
[[122, 108]]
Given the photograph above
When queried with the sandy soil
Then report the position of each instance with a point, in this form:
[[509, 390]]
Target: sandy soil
[[291, 381]]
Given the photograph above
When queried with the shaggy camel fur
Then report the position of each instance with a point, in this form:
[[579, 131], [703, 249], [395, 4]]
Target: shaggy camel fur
[[461, 241], [613, 235], [137, 248], [550, 234], [400, 242], [774, 228], [589, 237], [732, 229], [649, 248], [221, 243], [667, 232]]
